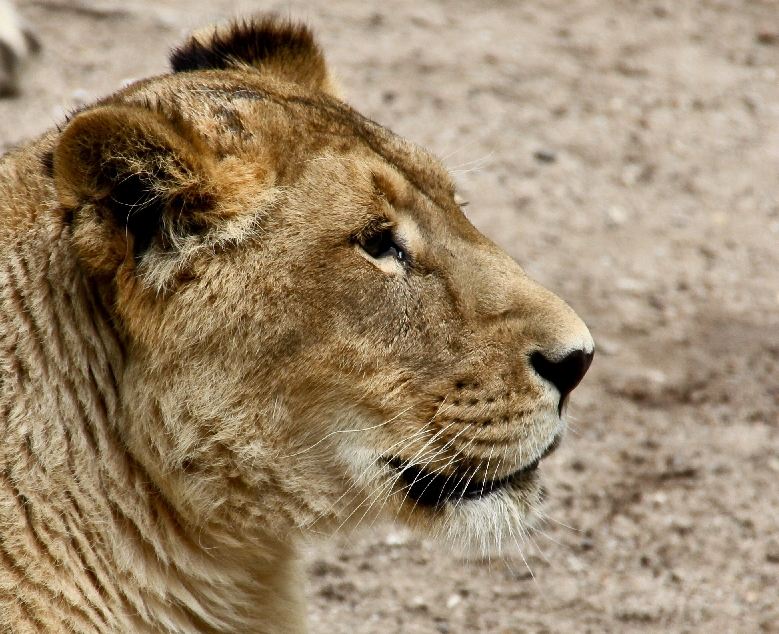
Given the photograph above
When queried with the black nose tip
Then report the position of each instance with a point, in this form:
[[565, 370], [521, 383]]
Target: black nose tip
[[564, 374]]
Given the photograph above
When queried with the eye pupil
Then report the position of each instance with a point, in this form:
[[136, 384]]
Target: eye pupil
[[382, 244]]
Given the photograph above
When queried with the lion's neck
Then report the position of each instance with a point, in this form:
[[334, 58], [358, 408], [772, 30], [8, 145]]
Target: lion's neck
[[87, 539]]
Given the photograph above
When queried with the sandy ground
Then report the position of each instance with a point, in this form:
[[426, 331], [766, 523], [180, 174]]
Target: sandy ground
[[627, 155]]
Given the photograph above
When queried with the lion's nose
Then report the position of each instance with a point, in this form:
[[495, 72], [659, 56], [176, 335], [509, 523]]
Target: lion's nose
[[564, 374]]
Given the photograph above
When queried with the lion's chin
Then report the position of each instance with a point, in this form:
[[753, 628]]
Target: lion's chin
[[476, 516], [491, 525], [480, 518]]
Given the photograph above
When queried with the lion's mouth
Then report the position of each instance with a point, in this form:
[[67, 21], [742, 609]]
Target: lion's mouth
[[435, 489]]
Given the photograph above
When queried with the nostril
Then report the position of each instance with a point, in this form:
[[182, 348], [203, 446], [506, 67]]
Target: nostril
[[564, 374]]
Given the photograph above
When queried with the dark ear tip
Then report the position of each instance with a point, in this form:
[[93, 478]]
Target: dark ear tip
[[265, 42], [251, 41]]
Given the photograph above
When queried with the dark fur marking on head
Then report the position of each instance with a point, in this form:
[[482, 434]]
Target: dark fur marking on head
[[47, 162], [232, 121]]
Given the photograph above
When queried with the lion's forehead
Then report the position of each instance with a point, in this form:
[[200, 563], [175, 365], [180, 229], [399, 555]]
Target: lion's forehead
[[245, 113]]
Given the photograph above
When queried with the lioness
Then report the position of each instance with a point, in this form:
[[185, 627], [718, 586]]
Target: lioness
[[234, 312]]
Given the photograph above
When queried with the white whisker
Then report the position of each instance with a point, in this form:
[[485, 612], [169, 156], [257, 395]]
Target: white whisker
[[348, 431]]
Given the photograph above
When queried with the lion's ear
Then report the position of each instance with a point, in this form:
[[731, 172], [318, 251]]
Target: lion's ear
[[133, 180], [270, 44]]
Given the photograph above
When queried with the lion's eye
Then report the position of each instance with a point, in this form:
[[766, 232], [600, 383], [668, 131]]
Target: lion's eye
[[382, 244]]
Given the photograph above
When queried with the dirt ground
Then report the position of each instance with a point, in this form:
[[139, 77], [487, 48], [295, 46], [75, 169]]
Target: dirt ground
[[626, 153]]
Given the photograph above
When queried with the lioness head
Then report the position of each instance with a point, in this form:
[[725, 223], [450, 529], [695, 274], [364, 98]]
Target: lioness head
[[313, 332]]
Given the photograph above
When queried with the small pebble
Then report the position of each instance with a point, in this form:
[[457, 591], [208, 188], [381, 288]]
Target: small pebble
[[587, 544], [615, 216], [418, 604], [545, 155]]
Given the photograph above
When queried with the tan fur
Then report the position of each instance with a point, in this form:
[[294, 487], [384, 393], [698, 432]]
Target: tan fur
[[200, 362]]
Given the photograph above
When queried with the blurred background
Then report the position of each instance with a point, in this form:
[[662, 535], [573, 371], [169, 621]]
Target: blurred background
[[626, 153]]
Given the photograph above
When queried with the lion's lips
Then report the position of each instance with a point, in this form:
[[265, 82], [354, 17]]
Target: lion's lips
[[434, 489]]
